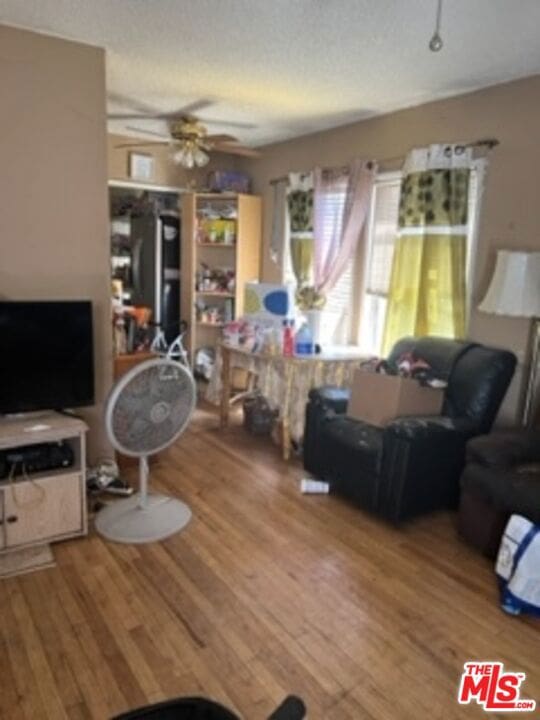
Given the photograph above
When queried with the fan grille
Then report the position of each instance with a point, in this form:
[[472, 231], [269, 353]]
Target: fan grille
[[150, 407]]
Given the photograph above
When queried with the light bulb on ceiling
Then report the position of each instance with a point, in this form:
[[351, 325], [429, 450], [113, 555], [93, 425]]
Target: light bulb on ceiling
[[200, 157], [436, 42], [185, 157], [189, 160], [178, 156]]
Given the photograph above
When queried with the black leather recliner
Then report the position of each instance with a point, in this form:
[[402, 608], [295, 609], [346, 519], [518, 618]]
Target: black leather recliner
[[501, 477], [413, 465]]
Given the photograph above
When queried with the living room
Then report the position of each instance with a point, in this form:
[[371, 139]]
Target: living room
[[266, 591]]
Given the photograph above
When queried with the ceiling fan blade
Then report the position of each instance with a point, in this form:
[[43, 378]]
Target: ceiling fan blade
[[147, 132], [221, 138], [233, 149], [134, 116], [131, 104], [141, 111], [144, 144], [194, 107], [230, 123], [187, 112]]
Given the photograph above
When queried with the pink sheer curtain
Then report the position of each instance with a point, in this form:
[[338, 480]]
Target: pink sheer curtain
[[338, 225]]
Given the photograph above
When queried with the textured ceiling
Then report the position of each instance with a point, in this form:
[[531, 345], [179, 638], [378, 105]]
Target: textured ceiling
[[290, 67]]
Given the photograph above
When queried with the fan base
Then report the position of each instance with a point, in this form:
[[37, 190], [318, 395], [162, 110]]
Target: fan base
[[124, 521]]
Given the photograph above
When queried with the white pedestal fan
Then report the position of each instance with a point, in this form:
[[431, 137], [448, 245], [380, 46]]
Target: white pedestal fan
[[146, 411]]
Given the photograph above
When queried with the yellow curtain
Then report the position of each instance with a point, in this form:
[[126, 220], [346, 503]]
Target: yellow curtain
[[427, 294], [300, 206], [427, 288], [302, 259]]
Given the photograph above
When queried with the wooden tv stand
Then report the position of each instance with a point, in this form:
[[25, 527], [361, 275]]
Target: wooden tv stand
[[47, 506]]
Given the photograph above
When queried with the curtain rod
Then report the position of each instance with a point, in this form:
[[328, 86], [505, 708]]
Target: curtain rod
[[488, 143]]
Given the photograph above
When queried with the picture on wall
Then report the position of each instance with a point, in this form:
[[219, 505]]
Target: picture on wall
[[141, 166]]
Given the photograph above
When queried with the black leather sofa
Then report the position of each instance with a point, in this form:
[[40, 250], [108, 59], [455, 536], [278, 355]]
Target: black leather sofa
[[413, 465]]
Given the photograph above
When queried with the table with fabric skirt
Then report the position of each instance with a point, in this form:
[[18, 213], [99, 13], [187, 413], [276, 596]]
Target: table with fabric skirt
[[284, 381]]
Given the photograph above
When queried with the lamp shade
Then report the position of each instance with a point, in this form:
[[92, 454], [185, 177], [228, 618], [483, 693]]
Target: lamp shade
[[515, 286]]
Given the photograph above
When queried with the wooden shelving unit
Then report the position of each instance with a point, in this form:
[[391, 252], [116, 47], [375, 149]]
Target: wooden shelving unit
[[216, 244], [242, 255], [214, 293]]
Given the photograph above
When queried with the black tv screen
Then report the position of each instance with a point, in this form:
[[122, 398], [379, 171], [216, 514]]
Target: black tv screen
[[46, 355]]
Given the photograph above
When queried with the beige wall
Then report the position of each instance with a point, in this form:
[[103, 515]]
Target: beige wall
[[510, 210], [53, 170], [166, 172]]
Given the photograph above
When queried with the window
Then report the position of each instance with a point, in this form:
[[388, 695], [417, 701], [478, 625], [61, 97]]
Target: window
[[381, 237], [336, 320], [340, 322]]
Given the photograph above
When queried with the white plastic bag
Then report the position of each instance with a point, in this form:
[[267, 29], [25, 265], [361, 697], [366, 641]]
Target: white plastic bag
[[518, 566]]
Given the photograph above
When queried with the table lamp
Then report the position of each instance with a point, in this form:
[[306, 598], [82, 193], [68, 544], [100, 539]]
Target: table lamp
[[515, 291]]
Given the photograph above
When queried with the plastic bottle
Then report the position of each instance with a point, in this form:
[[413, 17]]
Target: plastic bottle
[[288, 338], [304, 341]]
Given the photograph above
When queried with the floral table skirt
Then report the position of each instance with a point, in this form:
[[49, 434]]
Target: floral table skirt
[[286, 382]]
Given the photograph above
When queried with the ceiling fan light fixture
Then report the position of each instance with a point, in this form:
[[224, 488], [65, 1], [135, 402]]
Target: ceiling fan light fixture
[[191, 155], [184, 157], [200, 157]]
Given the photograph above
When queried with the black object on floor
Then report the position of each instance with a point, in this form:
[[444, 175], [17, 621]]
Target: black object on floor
[[292, 708]]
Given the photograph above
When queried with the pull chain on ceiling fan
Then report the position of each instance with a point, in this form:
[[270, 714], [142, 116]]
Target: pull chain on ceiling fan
[[436, 42]]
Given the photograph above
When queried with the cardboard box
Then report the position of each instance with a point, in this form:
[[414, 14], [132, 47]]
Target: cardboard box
[[378, 399]]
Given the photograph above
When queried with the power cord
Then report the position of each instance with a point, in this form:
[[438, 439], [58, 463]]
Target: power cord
[[41, 492]]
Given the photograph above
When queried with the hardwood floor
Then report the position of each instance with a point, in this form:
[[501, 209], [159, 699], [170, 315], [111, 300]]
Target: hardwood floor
[[265, 593]]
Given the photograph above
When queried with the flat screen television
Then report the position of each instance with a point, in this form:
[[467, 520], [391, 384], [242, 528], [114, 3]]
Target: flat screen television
[[46, 355]]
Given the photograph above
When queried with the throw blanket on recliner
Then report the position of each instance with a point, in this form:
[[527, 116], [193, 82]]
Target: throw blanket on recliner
[[440, 353]]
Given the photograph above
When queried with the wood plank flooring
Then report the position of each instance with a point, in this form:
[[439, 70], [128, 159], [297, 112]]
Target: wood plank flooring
[[267, 592]]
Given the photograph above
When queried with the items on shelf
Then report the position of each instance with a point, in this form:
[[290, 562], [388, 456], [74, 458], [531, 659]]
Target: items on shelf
[[288, 338], [215, 279], [265, 336], [256, 337], [209, 314], [303, 341], [229, 181], [220, 209], [223, 253], [131, 327], [213, 314], [216, 232], [205, 358], [216, 224]]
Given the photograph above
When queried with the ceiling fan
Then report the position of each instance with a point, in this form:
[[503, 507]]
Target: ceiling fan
[[189, 135]]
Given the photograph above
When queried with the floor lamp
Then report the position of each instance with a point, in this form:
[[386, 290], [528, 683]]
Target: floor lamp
[[515, 291]]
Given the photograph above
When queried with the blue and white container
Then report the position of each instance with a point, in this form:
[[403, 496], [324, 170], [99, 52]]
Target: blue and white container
[[303, 341]]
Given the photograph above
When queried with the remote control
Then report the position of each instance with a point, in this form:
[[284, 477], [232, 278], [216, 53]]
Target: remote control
[[309, 486]]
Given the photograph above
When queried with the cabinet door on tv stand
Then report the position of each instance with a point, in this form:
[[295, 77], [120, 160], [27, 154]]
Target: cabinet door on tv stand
[[48, 508]]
